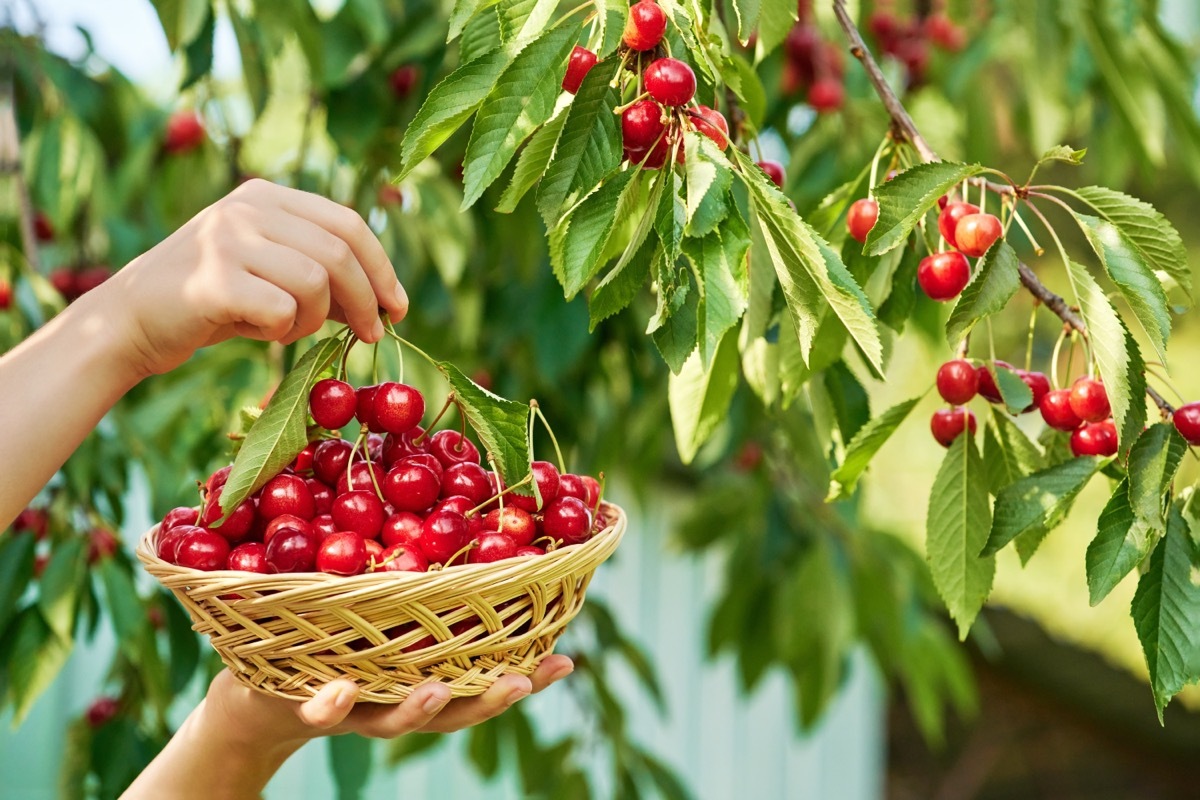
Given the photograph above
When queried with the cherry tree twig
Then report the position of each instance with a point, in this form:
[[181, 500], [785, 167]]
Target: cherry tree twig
[[904, 129]]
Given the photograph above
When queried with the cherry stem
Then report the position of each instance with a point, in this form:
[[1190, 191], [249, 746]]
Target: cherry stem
[[618, 110], [571, 13], [1062, 336], [471, 545], [387, 324], [875, 165], [499, 496], [449, 401], [562, 464]]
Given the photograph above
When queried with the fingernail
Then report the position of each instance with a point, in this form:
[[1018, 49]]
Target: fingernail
[[562, 673], [515, 695], [434, 704], [344, 699], [377, 330], [401, 295]]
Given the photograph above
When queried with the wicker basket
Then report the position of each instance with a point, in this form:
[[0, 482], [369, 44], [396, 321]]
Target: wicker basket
[[463, 626]]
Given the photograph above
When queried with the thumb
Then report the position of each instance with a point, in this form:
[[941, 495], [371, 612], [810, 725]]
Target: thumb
[[330, 705]]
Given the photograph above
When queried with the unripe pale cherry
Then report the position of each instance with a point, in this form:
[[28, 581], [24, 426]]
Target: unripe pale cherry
[[950, 215], [861, 218], [975, 233], [645, 26]]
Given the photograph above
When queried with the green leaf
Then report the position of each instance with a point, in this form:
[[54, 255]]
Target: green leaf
[[577, 243], [1015, 392], [61, 583], [807, 265], [671, 216], [181, 19], [522, 21], [448, 106], [350, 762], [198, 54], [776, 18], [502, 425], [1133, 278], [1038, 502], [1150, 232], [996, 281], [719, 261], [1008, 454], [126, 609], [253, 59], [35, 656], [1116, 353], [588, 148], [747, 12], [480, 36], [906, 198], [282, 430], [1153, 461], [622, 283], [1063, 153], [851, 406], [898, 307], [956, 530], [1166, 612], [523, 99], [865, 444], [674, 326], [532, 162], [1119, 545], [462, 13], [709, 179], [16, 568], [699, 398]]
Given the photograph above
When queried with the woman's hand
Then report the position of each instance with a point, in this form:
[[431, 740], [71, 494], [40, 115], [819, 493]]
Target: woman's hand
[[265, 262], [237, 738]]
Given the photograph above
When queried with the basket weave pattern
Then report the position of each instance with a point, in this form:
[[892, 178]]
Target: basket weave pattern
[[463, 626]]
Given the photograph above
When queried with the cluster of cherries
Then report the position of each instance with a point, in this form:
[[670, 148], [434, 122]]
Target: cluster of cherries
[[908, 40], [967, 230], [185, 132], [397, 499], [812, 65], [102, 542]]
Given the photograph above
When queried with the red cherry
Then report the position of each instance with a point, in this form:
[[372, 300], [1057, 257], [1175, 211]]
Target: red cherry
[[330, 460], [239, 523], [322, 496], [425, 459], [179, 516], [949, 217], [469, 480], [292, 551], [88, 279], [398, 408], [403, 79], [492, 547], [6, 295], [63, 280], [43, 230], [185, 132], [1089, 400], [101, 711], [361, 478], [1187, 422], [884, 26], [645, 26], [202, 550], [580, 64], [102, 543], [670, 82], [457, 503], [861, 218], [364, 408], [403, 557], [443, 533], [1038, 384], [712, 124], [943, 276], [942, 31], [374, 551], [774, 171], [826, 94], [303, 460], [323, 525], [642, 125], [217, 479], [592, 488], [571, 485], [987, 384], [1056, 410], [547, 478], [530, 550], [402, 527], [802, 42], [948, 423], [168, 541], [957, 381], [567, 518], [1095, 439], [248, 557], [332, 403], [360, 512], [514, 522], [410, 486], [451, 447], [342, 553], [398, 447], [975, 233], [286, 494], [285, 522]]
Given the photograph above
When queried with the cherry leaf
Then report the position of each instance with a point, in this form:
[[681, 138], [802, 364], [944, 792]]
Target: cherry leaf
[[1015, 392], [577, 243], [1008, 454], [908, 197], [502, 425], [1119, 545], [281, 432], [1036, 503], [1153, 461], [865, 444], [532, 162], [622, 283], [1149, 231], [996, 281], [699, 397]]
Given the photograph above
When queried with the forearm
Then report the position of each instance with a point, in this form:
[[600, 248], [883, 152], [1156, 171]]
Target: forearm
[[54, 388]]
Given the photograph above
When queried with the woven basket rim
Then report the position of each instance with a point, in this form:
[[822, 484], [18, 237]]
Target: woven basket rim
[[599, 547]]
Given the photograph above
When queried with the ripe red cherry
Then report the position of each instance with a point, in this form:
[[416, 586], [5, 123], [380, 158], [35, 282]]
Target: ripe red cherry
[[712, 124], [168, 541], [364, 408], [988, 389], [1089, 400], [948, 219], [342, 553], [469, 480], [884, 26], [1056, 410], [402, 558], [1095, 439], [451, 447], [530, 550], [330, 460], [571, 485], [398, 408], [492, 547], [425, 459], [957, 381], [943, 276], [457, 503], [443, 534], [43, 230], [217, 479], [410, 486], [360, 512], [361, 478], [513, 522], [323, 525], [403, 79], [101, 711], [180, 516], [239, 523], [975, 233], [670, 82], [944, 33], [591, 487], [402, 527], [185, 132], [292, 551], [374, 550], [547, 478], [322, 496], [248, 557], [286, 494], [202, 550], [642, 125], [826, 94], [774, 171], [948, 423], [6, 295], [285, 522], [332, 403], [567, 518], [645, 26], [102, 543], [1187, 422], [398, 447], [861, 218], [1038, 384], [90, 278], [801, 42], [303, 460], [578, 66]]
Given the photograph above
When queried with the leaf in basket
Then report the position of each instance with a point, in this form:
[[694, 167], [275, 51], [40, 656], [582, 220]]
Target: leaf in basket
[[281, 432], [502, 425]]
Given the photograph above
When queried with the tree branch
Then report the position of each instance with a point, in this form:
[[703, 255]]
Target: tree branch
[[904, 129]]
